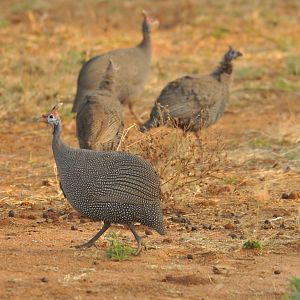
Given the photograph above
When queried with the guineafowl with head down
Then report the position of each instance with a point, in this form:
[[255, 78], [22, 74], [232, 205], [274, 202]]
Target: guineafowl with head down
[[112, 186], [194, 102], [99, 122], [134, 69]]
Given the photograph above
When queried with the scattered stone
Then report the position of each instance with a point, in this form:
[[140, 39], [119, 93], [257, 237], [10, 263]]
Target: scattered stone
[[282, 225], [236, 222], [232, 235], [229, 226], [189, 256], [216, 270], [11, 213], [294, 195], [73, 227], [44, 279], [277, 272], [148, 232], [267, 224], [194, 228], [291, 195], [46, 182], [45, 215], [167, 240], [285, 196], [207, 226], [179, 219]]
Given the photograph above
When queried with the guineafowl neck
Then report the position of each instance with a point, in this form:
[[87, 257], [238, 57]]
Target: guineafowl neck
[[225, 68], [57, 143], [145, 44]]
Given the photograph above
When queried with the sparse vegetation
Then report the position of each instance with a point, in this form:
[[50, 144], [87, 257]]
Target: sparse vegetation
[[293, 64], [253, 244], [117, 250], [230, 180], [180, 160], [214, 193], [260, 143], [294, 290]]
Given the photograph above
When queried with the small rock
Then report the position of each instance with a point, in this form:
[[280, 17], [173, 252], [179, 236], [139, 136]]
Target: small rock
[[11, 214], [167, 240], [229, 226], [44, 279], [277, 272], [189, 256], [267, 225], [148, 232], [282, 226], [46, 182], [232, 235], [207, 226], [216, 270], [285, 196], [73, 227], [45, 215], [194, 228], [294, 195], [236, 221]]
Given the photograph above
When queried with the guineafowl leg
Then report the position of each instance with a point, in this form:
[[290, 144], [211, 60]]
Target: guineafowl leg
[[138, 239], [92, 241]]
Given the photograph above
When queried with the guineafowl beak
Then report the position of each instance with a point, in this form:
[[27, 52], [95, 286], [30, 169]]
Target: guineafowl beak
[[44, 118], [239, 54]]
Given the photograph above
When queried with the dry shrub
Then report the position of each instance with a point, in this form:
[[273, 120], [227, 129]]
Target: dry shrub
[[181, 160]]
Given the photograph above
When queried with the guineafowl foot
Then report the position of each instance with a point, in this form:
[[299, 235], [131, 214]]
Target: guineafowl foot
[[85, 245], [92, 241], [138, 239]]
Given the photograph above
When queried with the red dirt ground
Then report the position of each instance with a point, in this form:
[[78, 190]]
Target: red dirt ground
[[201, 257]]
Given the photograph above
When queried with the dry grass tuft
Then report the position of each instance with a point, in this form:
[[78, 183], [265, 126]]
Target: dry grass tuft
[[181, 160]]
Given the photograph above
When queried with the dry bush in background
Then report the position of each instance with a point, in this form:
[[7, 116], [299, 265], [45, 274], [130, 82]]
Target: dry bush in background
[[181, 161]]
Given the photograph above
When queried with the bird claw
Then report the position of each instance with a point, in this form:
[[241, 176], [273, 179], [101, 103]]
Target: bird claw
[[85, 246]]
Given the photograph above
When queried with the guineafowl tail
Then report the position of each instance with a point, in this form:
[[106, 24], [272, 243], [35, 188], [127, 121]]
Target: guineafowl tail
[[152, 122]]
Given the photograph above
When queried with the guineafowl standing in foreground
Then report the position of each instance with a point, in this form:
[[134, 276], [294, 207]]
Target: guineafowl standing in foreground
[[134, 69], [115, 187], [194, 102], [99, 122]]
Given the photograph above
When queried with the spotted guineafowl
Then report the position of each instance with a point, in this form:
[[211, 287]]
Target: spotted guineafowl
[[99, 122], [191, 102], [112, 186], [134, 69]]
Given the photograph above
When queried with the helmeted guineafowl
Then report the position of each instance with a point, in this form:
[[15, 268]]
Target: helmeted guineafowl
[[99, 122], [194, 102], [134, 69], [112, 186]]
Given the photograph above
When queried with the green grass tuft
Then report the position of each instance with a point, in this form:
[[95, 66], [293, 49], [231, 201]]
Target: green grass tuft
[[259, 143], [118, 251], [250, 73], [219, 32], [293, 65], [281, 84], [253, 244], [231, 180], [294, 290]]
